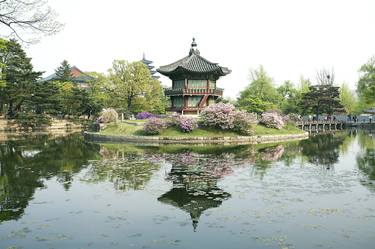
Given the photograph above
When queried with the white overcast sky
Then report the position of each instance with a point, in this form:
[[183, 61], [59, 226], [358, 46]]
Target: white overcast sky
[[289, 38]]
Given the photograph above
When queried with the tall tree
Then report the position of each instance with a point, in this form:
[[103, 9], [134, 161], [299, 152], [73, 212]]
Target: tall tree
[[290, 98], [260, 95], [19, 76], [347, 98], [131, 83], [63, 72], [3, 51], [366, 84], [304, 85], [28, 20], [322, 99]]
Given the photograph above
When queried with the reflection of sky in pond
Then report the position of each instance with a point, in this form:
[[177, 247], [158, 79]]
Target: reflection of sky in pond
[[294, 195]]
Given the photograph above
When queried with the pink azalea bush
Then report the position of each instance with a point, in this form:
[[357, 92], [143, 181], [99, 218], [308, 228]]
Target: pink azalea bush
[[144, 115], [219, 115], [187, 124], [225, 117], [272, 119], [174, 119], [244, 123], [154, 126]]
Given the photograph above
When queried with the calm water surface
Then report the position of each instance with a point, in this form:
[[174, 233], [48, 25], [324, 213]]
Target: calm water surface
[[67, 193]]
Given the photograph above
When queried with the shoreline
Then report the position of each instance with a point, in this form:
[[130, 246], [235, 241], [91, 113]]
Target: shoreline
[[17, 135], [257, 139]]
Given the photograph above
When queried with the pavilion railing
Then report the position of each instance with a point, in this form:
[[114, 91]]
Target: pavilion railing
[[192, 91]]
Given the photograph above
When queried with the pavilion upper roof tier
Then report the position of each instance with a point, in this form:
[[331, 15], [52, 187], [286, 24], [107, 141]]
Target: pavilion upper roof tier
[[193, 64]]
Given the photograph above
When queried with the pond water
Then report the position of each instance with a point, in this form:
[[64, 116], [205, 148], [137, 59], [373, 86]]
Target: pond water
[[68, 193]]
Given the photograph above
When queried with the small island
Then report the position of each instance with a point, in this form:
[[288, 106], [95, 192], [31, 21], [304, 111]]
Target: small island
[[218, 123]]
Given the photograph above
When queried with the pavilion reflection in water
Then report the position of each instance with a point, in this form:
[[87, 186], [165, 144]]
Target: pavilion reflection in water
[[194, 190]]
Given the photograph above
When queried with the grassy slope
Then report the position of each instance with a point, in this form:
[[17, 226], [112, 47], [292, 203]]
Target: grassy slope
[[128, 129], [289, 129]]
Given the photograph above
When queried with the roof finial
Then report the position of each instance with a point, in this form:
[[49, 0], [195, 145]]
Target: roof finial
[[193, 49], [193, 44]]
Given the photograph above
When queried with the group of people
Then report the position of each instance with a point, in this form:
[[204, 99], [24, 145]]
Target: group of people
[[353, 118], [326, 118], [350, 118]]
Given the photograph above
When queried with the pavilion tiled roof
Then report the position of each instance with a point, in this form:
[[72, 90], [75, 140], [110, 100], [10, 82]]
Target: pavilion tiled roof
[[193, 63]]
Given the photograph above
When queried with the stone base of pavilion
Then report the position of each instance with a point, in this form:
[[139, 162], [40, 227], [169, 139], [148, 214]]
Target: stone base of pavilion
[[144, 140]]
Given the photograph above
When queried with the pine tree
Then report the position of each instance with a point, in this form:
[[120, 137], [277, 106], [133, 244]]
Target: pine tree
[[63, 72], [19, 77], [322, 99]]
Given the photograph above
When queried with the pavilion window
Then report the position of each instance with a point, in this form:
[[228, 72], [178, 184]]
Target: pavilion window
[[212, 84], [193, 101], [178, 84], [198, 84], [178, 102]]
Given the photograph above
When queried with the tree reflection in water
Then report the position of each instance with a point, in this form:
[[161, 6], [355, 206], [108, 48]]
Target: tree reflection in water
[[125, 169], [366, 158], [25, 164], [323, 149]]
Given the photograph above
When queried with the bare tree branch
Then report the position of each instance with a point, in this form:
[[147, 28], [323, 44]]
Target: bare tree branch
[[325, 77], [27, 20]]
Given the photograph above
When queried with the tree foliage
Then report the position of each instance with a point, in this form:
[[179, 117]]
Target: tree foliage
[[322, 99], [290, 98], [63, 72], [347, 98], [260, 95], [366, 84], [131, 88], [27, 20], [19, 76]]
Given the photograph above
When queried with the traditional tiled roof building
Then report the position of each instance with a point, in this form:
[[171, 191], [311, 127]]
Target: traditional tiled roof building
[[149, 63], [76, 76], [193, 82]]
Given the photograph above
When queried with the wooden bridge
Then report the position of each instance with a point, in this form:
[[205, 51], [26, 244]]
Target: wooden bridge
[[321, 125]]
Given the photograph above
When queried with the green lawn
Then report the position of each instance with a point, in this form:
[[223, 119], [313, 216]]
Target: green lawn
[[289, 129], [122, 129], [175, 132], [128, 129]]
